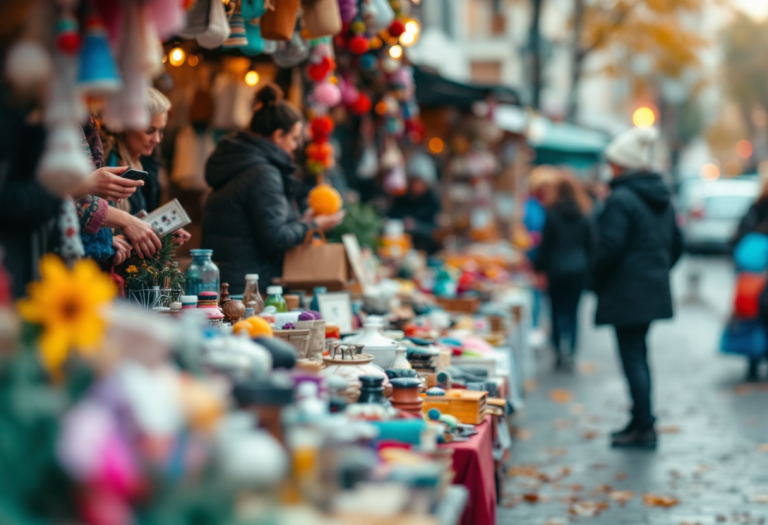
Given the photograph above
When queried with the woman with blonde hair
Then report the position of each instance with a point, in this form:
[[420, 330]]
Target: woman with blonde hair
[[565, 257]]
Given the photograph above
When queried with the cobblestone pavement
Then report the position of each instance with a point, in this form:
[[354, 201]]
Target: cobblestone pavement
[[712, 457]]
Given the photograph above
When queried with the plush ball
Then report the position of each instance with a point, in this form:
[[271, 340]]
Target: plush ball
[[349, 93], [315, 314], [28, 64], [319, 152], [324, 200], [396, 28], [321, 126], [289, 326], [327, 94], [320, 70], [314, 167], [368, 62], [306, 316], [362, 105], [359, 45], [358, 27]]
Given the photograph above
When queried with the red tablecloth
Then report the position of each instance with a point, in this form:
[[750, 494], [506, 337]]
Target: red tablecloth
[[474, 467]]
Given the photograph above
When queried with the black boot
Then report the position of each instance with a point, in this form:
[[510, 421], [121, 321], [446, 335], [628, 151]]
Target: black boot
[[624, 431], [637, 437], [753, 370]]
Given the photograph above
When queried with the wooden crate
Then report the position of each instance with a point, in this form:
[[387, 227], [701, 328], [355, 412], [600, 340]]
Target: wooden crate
[[462, 306], [468, 406]]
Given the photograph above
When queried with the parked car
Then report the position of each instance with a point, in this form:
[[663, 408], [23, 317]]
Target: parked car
[[711, 211]]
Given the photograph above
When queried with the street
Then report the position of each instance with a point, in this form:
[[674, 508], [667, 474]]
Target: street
[[711, 465]]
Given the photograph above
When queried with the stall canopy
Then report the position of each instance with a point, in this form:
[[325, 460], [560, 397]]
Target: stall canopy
[[433, 91], [561, 143]]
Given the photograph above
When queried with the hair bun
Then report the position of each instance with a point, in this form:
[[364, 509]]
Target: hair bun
[[269, 94]]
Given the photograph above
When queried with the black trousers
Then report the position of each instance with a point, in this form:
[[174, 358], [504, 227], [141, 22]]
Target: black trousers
[[564, 297], [634, 358]]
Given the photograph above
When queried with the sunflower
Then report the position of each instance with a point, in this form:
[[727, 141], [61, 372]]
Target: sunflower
[[67, 304]]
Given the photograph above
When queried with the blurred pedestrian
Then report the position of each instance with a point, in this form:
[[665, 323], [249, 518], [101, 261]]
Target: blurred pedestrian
[[565, 257], [639, 243], [755, 221], [420, 206], [251, 216]]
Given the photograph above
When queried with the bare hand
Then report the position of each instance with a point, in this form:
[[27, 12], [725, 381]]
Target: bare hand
[[329, 222], [309, 215], [181, 236], [122, 250], [108, 184], [143, 238]]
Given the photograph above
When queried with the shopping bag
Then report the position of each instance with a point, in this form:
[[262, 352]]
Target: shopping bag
[[321, 17], [279, 23], [745, 337], [751, 253], [746, 302], [309, 264]]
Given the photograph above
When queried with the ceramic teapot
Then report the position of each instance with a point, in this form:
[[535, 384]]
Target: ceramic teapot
[[383, 349]]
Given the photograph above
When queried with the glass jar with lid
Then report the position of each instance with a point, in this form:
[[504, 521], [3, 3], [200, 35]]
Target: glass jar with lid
[[202, 274]]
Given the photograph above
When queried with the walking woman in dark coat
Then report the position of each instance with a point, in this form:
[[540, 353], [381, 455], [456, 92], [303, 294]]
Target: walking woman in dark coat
[[639, 244], [251, 217], [565, 257]]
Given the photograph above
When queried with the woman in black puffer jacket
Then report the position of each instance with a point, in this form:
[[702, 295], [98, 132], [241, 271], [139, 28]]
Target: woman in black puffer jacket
[[251, 217], [565, 257], [639, 244]]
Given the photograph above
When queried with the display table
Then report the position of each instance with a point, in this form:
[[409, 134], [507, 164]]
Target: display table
[[474, 467]]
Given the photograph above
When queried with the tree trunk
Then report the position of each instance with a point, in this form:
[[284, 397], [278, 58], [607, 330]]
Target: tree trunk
[[577, 60], [534, 50]]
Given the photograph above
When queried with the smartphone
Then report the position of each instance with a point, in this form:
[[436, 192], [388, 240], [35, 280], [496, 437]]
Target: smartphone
[[133, 174]]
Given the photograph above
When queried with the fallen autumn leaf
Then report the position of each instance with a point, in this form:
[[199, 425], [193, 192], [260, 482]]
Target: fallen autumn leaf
[[659, 500], [560, 396]]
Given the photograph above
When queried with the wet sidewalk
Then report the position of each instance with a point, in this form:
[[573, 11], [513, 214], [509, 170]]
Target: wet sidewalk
[[711, 465]]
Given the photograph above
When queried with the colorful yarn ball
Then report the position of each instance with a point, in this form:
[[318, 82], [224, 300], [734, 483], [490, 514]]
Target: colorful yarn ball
[[289, 326], [359, 45], [358, 27], [349, 93], [306, 316], [68, 38], [320, 70]]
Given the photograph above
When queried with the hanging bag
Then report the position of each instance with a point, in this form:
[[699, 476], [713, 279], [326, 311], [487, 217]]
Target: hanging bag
[[310, 264], [321, 17], [279, 22], [207, 23], [745, 337]]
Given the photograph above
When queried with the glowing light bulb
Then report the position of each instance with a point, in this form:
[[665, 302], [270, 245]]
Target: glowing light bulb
[[710, 172], [395, 51], [744, 149], [407, 39], [252, 78], [193, 60], [644, 117], [177, 56]]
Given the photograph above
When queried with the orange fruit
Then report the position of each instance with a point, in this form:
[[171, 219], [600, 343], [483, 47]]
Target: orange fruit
[[259, 327], [324, 200]]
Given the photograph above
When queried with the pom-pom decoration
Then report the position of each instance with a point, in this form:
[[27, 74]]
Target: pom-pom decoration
[[320, 152], [327, 94], [368, 62], [324, 200], [348, 10], [318, 71], [358, 27], [68, 34], [349, 93], [362, 105], [359, 45], [321, 127], [396, 28], [27, 65]]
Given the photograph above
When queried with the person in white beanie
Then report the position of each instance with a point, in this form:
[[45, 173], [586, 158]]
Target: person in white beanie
[[639, 243]]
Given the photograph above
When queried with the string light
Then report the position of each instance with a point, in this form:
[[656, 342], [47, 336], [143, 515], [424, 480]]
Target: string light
[[644, 117], [177, 56], [395, 51], [744, 148], [193, 60], [710, 172], [436, 145], [252, 78]]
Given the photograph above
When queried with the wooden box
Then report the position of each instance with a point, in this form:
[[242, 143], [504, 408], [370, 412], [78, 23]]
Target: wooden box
[[462, 306], [468, 406]]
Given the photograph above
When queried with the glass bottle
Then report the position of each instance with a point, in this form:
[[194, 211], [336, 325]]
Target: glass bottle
[[275, 298], [251, 296], [202, 274], [315, 305]]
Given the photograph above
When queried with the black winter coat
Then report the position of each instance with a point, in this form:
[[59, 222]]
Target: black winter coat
[[27, 210], [250, 217], [639, 244], [567, 243], [424, 210]]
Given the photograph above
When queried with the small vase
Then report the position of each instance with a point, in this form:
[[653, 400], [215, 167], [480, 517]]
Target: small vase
[[405, 395], [401, 361], [352, 370], [372, 391]]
